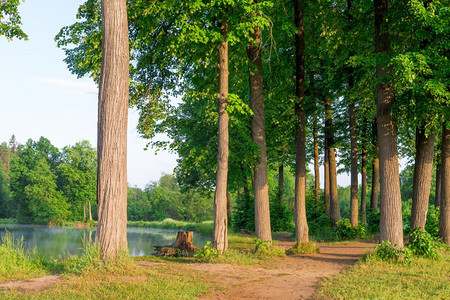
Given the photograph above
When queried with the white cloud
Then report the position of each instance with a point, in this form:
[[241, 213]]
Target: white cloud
[[71, 86]]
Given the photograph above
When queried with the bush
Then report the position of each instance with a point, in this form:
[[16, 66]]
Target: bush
[[207, 253], [388, 252], [373, 222], [303, 248], [423, 244], [345, 231], [432, 224]]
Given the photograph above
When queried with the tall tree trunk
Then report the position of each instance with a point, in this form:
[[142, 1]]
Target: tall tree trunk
[[335, 213], [437, 193], [444, 219], [301, 225], [423, 173], [326, 176], [353, 168], [364, 173], [353, 139], [280, 181], [84, 211], [391, 228], [375, 170], [112, 130], [260, 184], [220, 230], [316, 159]]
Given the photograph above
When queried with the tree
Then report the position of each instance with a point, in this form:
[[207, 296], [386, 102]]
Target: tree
[[112, 130], [391, 228], [77, 178], [10, 20], [260, 184], [423, 171], [220, 232], [444, 218], [301, 225]]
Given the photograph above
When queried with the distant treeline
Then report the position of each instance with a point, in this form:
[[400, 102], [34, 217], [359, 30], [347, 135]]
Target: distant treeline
[[41, 184]]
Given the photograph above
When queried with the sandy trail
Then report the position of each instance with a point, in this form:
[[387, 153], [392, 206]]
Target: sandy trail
[[293, 277]]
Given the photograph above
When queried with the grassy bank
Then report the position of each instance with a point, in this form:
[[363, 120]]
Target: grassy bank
[[373, 278], [16, 262], [204, 228]]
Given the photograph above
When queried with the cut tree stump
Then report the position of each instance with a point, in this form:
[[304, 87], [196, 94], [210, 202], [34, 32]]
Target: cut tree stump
[[183, 246]]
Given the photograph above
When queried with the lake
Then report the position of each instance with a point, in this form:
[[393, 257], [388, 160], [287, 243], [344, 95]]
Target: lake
[[55, 241]]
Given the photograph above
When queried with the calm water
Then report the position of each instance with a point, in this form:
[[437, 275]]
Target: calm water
[[54, 241]]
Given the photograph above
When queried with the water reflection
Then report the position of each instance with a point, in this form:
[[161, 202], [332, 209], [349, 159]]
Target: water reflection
[[54, 241]]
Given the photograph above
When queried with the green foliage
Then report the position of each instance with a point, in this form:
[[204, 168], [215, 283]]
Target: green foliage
[[423, 244], [388, 252], [207, 252], [345, 231], [10, 20], [319, 223], [77, 178], [373, 222], [432, 223]]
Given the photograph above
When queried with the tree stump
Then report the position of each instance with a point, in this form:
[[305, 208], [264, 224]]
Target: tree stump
[[183, 246]]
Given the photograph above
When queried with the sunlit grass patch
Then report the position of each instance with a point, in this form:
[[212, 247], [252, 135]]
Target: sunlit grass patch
[[16, 262], [167, 281], [373, 278], [303, 248]]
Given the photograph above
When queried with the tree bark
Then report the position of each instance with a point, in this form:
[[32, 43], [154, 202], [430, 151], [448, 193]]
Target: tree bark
[[301, 225], [353, 139], [423, 173], [316, 159], [326, 176], [220, 230], [260, 184], [437, 193], [364, 174], [335, 213], [84, 211], [391, 228], [444, 219], [375, 170], [280, 182], [112, 130], [353, 168]]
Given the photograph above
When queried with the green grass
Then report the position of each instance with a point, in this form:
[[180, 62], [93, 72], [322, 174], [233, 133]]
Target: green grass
[[303, 248], [167, 281], [16, 262], [204, 228], [373, 278]]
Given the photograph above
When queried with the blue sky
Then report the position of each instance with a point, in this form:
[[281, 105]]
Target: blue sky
[[40, 97]]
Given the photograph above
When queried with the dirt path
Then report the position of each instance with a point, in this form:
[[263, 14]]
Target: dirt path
[[34, 285], [293, 277]]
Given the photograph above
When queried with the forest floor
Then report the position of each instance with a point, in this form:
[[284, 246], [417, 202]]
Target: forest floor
[[291, 277]]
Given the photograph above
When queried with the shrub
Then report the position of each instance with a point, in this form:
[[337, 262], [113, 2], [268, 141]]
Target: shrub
[[373, 222], [345, 231], [423, 244], [207, 253], [388, 252], [432, 224]]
